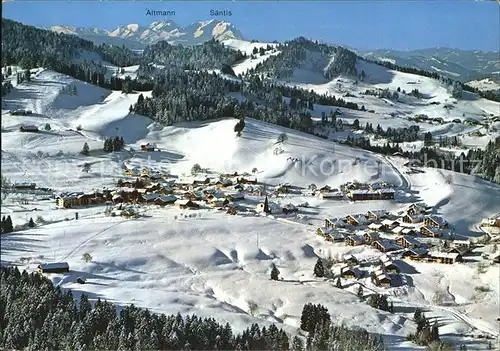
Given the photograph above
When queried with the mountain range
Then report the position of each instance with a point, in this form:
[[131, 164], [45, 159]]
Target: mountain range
[[463, 65], [137, 37]]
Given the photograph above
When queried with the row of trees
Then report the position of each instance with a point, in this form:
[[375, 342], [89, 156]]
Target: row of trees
[[113, 144], [7, 226], [35, 315]]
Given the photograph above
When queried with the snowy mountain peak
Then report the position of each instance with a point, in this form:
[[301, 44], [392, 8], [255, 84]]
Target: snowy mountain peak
[[136, 36]]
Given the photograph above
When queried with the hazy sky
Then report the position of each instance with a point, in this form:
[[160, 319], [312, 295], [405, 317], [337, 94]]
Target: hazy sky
[[363, 24]]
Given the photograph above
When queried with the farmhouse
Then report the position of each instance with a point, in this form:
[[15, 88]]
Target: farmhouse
[[185, 204], [435, 221], [407, 242], [384, 245], [28, 128], [445, 257], [408, 218], [350, 272], [59, 267]]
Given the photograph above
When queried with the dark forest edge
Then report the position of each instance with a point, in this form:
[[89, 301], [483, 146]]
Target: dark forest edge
[[35, 315]]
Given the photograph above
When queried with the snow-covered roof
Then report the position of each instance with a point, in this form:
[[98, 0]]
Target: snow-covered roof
[[149, 197], [441, 254], [389, 222], [167, 198], [409, 240], [398, 229], [439, 220], [55, 265], [375, 226]]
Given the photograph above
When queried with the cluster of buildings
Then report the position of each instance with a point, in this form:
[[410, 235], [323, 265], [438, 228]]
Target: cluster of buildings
[[356, 191], [402, 235]]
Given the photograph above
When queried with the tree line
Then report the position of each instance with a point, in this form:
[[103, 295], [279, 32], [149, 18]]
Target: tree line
[[35, 315]]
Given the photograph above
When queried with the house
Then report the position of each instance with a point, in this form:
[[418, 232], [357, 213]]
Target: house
[[223, 183], [445, 257], [235, 197], [461, 243], [376, 214], [390, 267], [353, 240], [148, 147], [335, 237], [331, 195], [415, 209], [325, 189], [381, 278], [201, 180], [398, 230], [163, 200], [385, 245], [350, 272], [149, 197], [334, 223], [351, 260], [364, 194], [68, 200], [461, 250], [24, 186], [407, 242], [390, 224], [435, 221], [409, 231], [384, 258], [29, 128], [432, 232], [59, 267], [417, 218], [184, 183], [185, 204], [133, 172], [415, 254], [377, 227], [370, 237], [324, 232], [354, 220]]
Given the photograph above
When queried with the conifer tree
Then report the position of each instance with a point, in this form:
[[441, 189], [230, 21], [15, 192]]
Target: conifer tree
[[360, 292], [338, 283], [31, 223], [274, 272], [266, 206], [319, 269], [85, 149]]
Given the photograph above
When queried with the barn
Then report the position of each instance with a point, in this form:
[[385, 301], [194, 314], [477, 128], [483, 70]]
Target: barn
[[57, 267]]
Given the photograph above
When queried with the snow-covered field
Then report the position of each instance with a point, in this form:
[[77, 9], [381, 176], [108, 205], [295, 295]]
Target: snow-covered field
[[213, 264]]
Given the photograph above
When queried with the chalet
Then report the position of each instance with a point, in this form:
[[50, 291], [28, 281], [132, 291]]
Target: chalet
[[377, 227], [334, 223], [68, 200], [246, 181], [163, 200], [445, 257], [407, 242], [398, 230], [148, 147], [353, 240], [184, 183], [24, 186], [416, 254], [384, 258], [415, 209], [235, 197], [185, 204], [223, 183], [324, 232], [409, 231], [370, 237], [408, 218], [149, 197], [391, 268], [350, 272], [355, 220], [335, 237], [461, 250], [59, 267], [384, 245], [390, 224], [381, 278], [133, 172], [432, 232], [331, 195], [376, 214], [351, 260], [29, 128], [435, 221], [325, 189], [461, 243]]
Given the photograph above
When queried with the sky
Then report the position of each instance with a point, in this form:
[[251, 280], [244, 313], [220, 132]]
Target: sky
[[360, 24]]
